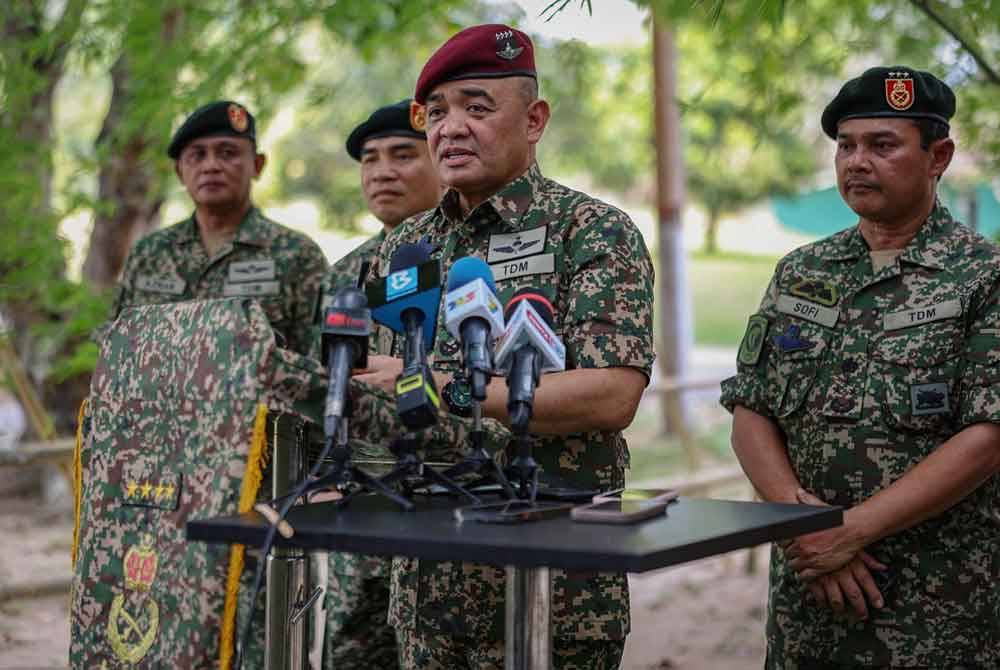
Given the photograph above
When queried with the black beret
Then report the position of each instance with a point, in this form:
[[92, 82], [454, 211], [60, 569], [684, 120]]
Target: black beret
[[896, 91], [216, 118], [388, 121]]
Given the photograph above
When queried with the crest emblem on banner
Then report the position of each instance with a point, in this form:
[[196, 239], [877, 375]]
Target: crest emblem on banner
[[132, 633], [899, 91]]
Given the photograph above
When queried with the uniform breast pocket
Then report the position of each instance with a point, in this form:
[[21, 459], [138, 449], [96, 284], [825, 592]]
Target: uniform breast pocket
[[917, 370], [798, 349]]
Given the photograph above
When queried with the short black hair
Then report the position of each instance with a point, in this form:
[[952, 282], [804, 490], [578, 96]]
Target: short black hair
[[931, 130]]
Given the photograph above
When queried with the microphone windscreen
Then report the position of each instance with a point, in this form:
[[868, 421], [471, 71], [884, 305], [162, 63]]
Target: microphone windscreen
[[537, 300], [350, 298], [468, 269], [409, 255]]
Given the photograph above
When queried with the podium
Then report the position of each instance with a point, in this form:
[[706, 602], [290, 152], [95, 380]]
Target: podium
[[691, 529]]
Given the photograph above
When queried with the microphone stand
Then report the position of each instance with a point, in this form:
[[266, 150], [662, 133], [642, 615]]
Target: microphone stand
[[478, 461]]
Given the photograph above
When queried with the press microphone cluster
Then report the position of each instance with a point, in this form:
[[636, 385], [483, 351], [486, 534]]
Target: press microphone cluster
[[406, 301], [473, 316], [527, 348]]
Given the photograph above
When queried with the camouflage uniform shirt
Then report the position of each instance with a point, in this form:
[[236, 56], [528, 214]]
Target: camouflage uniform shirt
[[590, 261], [866, 373], [280, 268]]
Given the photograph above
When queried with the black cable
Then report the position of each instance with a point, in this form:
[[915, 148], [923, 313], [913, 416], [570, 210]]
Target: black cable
[[269, 541]]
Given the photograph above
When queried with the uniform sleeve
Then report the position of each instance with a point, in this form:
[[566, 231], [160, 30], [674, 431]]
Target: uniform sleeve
[[310, 270], [979, 399], [607, 312], [120, 299], [749, 386]]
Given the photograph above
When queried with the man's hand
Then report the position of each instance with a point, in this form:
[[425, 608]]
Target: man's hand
[[816, 554], [851, 586], [382, 372]]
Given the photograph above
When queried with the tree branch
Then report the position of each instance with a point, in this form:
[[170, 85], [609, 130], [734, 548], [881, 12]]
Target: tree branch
[[991, 74]]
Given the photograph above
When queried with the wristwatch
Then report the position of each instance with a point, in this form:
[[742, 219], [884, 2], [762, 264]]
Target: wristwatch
[[458, 397]]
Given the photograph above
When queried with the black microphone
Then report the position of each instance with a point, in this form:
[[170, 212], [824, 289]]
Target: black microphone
[[472, 314], [406, 301], [344, 341], [528, 346]]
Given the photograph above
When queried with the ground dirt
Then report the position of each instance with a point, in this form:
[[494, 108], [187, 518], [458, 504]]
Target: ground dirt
[[706, 615]]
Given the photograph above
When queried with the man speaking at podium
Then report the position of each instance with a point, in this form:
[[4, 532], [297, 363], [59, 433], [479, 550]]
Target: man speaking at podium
[[227, 248], [479, 96]]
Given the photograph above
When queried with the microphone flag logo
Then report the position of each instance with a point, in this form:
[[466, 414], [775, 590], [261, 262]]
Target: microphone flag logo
[[400, 283]]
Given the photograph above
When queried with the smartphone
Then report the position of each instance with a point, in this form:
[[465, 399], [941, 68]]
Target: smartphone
[[511, 511], [618, 511], [657, 495]]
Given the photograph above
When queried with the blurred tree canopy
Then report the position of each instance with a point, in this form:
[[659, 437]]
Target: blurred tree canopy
[[752, 77]]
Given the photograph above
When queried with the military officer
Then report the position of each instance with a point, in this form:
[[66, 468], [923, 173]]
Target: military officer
[[868, 379], [479, 97], [227, 247], [398, 180]]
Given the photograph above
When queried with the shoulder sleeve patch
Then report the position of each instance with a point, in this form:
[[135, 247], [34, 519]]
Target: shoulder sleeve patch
[[753, 340]]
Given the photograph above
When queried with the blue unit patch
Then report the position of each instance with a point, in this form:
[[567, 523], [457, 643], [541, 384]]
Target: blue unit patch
[[790, 340]]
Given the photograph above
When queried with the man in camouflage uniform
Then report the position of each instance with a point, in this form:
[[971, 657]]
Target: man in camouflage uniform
[[227, 248], [398, 180], [478, 94], [868, 379]]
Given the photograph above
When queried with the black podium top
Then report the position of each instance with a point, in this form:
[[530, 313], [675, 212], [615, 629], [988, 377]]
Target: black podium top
[[690, 530]]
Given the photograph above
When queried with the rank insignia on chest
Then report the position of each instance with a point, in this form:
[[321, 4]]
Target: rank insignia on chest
[[791, 340], [816, 290], [929, 399], [753, 340]]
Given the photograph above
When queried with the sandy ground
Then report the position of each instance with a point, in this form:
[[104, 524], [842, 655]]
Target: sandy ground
[[706, 615]]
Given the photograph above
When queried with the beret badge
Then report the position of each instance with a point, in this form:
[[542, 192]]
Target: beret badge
[[418, 116], [899, 90], [506, 46], [237, 118]]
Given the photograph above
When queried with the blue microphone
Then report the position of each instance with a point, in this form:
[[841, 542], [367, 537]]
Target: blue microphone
[[406, 301], [413, 288], [473, 314]]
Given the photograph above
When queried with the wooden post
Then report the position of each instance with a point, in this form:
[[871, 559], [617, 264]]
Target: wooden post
[[674, 315]]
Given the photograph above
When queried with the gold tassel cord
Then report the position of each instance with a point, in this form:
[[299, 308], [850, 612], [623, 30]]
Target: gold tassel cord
[[256, 462], [78, 479]]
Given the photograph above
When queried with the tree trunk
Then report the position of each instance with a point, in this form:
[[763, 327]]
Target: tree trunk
[[712, 233], [127, 183], [674, 309], [130, 185]]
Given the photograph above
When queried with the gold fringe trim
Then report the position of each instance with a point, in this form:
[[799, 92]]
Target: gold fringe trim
[[77, 479], [256, 462]]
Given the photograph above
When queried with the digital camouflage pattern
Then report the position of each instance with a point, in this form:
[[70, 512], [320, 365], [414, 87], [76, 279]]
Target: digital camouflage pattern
[[451, 652], [275, 265], [172, 409], [591, 263], [866, 374]]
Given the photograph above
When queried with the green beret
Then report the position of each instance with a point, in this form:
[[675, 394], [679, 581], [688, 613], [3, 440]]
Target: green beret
[[391, 120], [896, 91], [216, 118]]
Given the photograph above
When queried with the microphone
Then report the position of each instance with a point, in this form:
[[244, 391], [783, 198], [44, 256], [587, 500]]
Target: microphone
[[406, 301], [528, 348], [472, 314], [344, 342]]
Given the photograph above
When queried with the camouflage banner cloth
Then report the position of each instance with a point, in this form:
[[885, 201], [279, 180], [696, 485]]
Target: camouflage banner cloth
[[173, 406], [590, 261], [867, 373], [279, 267]]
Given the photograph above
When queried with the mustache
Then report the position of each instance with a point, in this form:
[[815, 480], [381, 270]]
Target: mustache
[[854, 181]]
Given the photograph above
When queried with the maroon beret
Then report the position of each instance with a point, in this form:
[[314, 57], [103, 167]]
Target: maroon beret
[[489, 51]]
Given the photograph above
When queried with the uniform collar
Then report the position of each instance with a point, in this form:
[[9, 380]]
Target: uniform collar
[[930, 247], [252, 231], [509, 203]]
